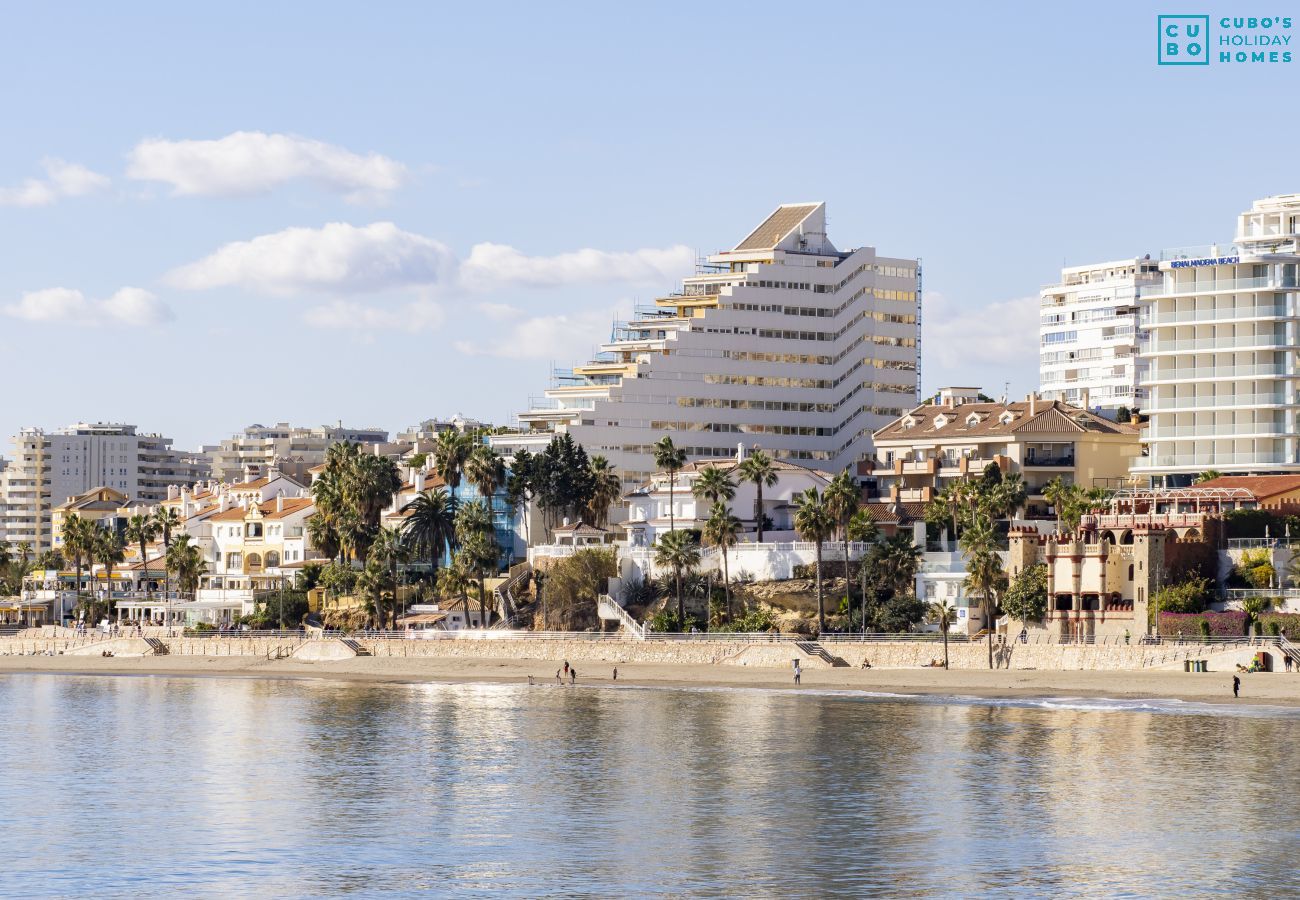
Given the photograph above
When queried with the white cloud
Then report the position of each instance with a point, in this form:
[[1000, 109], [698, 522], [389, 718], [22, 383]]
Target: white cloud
[[338, 258], [63, 179], [563, 337], [65, 306], [997, 341], [253, 162], [497, 265], [422, 315], [343, 258], [498, 312]]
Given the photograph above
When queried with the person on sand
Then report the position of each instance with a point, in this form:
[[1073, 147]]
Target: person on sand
[[798, 671], [558, 679], [616, 668], [530, 681], [1236, 686], [566, 667], [573, 676]]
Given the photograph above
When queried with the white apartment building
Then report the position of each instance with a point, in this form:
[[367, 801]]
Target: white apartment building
[[782, 342], [1220, 337], [292, 449], [48, 467], [1088, 336]]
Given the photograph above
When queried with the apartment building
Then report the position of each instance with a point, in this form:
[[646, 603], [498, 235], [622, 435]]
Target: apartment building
[[1088, 336], [50, 466], [1219, 336], [783, 342], [958, 435], [291, 449]]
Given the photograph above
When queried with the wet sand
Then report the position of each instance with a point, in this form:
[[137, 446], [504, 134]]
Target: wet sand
[[1276, 689]]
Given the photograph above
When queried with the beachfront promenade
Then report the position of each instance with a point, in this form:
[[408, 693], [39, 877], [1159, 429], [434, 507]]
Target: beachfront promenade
[[758, 650]]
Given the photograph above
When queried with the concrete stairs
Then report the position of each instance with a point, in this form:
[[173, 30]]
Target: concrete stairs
[[816, 650], [355, 646], [159, 648]]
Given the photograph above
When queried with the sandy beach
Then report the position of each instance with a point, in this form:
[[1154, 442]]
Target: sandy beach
[[1214, 687]]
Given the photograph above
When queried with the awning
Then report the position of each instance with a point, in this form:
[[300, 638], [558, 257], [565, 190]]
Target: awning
[[422, 619]]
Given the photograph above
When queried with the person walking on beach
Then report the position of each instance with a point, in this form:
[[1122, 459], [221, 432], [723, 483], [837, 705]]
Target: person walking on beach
[[1236, 686], [573, 676], [798, 672], [558, 679], [1288, 663], [566, 667]]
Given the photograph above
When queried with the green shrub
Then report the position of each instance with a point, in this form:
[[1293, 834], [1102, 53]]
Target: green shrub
[[1188, 597]]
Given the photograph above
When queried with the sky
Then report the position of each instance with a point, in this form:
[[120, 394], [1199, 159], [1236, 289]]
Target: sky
[[382, 213]]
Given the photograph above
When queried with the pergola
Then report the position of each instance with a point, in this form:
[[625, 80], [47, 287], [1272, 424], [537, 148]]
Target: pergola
[[1181, 500]]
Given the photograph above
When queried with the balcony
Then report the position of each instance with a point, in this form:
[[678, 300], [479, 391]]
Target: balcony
[[1152, 319], [1218, 287], [1210, 460], [1168, 404], [1162, 376], [916, 467], [1045, 462], [1240, 342], [1177, 432]]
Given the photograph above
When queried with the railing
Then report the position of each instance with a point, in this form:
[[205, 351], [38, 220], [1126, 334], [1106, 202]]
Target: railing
[[932, 637], [1209, 460], [1178, 289], [608, 609], [1278, 541], [1153, 376], [1202, 431], [1215, 343], [1268, 593], [1172, 403], [1049, 461]]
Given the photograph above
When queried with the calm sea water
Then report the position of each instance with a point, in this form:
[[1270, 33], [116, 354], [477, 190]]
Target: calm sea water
[[159, 786]]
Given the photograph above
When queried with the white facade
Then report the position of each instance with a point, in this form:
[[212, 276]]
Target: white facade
[[782, 341], [293, 449], [1088, 337], [50, 466], [1220, 337]]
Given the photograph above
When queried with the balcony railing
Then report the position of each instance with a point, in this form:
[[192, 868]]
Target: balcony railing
[[1203, 431], [1215, 287], [1169, 403], [1218, 314], [1066, 460], [1154, 376], [1215, 343], [1211, 460]]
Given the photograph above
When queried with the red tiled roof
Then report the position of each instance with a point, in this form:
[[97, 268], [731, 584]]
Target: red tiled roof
[[1263, 487]]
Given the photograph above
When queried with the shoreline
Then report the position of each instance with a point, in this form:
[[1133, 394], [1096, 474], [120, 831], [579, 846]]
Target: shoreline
[[1261, 689]]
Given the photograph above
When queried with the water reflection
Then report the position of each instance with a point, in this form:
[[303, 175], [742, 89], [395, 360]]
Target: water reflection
[[153, 785]]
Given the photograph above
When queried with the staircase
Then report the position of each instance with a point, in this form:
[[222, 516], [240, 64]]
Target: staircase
[[610, 611], [504, 593], [812, 648], [1291, 650], [355, 646], [159, 648]]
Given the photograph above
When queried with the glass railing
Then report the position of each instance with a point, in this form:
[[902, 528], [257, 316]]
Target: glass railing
[[1218, 314], [1216, 343], [1221, 285], [1157, 375], [1211, 459], [1177, 432], [1168, 403]]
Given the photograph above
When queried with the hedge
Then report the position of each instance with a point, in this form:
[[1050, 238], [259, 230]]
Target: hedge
[[1221, 624], [1286, 623]]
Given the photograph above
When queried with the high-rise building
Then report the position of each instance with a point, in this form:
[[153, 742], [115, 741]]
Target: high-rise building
[[1088, 337], [48, 467], [291, 449], [782, 342], [1219, 337]]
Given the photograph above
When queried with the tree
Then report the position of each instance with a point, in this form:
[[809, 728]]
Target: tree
[[477, 548], [983, 571], [722, 530], [942, 613], [562, 481], [842, 498], [1057, 493], [895, 562], [374, 579], [166, 520], [759, 469], [351, 495], [485, 470], [430, 527], [24, 552], [323, 535], [864, 530], [108, 550], [519, 489], [449, 457], [714, 486], [186, 561], [1208, 475], [140, 530], [670, 459], [77, 537], [677, 550], [607, 487], [417, 460], [1026, 596], [573, 587], [388, 552], [814, 523]]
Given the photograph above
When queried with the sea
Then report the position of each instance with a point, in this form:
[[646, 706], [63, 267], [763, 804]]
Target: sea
[[155, 786]]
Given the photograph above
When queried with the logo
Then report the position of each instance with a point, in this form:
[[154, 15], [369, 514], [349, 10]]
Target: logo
[[1184, 40]]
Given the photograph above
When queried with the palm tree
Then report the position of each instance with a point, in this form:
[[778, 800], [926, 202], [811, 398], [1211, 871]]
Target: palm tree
[[842, 499], [323, 535], [108, 551], [186, 560], [759, 468], [485, 470], [387, 552], [606, 488], [166, 520], [430, 528], [449, 457], [1057, 493], [1208, 475], [670, 459], [76, 541], [943, 613], [814, 523], [478, 549], [722, 530], [374, 580], [983, 571], [24, 551], [140, 530], [864, 530], [677, 550]]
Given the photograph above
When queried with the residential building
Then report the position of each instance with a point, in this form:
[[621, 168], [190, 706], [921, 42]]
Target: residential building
[[50, 466], [100, 506], [1219, 338], [429, 429], [958, 435], [291, 449], [783, 341], [1088, 337]]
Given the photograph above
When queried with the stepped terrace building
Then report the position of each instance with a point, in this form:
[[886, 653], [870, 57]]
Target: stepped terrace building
[[1219, 337], [782, 342]]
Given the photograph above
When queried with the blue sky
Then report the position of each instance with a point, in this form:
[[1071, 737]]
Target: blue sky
[[267, 212]]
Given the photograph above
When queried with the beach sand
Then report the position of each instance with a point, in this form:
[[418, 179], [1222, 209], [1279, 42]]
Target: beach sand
[[1275, 689]]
